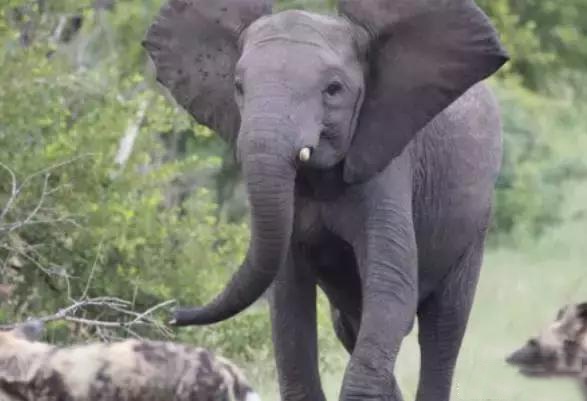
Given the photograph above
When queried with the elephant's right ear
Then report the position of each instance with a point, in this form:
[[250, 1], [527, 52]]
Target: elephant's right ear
[[423, 55], [194, 46]]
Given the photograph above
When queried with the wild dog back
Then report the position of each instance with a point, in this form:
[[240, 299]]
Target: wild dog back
[[129, 370]]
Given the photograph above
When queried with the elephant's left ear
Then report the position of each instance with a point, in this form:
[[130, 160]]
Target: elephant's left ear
[[423, 55]]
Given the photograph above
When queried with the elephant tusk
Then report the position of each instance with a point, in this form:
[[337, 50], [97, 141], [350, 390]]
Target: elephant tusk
[[305, 154]]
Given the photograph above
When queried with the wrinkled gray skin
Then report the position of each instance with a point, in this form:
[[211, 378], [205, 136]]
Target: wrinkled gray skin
[[389, 214]]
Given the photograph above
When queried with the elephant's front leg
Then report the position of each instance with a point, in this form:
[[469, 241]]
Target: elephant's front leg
[[388, 262], [293, 318]]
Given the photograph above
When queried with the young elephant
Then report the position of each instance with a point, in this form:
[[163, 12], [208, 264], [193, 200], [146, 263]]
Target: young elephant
[[370, 149], [130, 370], [560, 349]]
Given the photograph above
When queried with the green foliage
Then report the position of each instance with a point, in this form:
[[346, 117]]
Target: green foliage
[[546, 39], [309, 5], [80, 215], [544, 145]]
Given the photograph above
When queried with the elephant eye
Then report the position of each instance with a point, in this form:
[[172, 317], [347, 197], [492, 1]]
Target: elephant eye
[[334, 88], [238, 87]]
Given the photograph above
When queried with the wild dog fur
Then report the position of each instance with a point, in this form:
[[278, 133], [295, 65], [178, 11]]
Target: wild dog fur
[[129, 370], [559, 350]]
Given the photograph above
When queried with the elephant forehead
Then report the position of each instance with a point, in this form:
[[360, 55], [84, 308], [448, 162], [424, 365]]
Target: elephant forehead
[[302, 27]]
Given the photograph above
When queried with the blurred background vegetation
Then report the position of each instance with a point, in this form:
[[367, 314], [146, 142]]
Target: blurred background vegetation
[[107, 189]]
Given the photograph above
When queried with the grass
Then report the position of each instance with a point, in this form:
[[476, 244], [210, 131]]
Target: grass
[[520, 290]]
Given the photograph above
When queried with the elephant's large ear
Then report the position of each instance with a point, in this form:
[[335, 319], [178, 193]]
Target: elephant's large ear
[[423, 55], [194, 46]]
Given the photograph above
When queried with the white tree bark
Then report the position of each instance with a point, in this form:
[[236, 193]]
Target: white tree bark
[[127, 141]]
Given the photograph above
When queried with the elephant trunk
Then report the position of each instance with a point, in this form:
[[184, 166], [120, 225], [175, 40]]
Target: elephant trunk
[[270, 177]]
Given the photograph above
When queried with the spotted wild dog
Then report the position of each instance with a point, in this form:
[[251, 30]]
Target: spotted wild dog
[[559, 350], [131, 370]]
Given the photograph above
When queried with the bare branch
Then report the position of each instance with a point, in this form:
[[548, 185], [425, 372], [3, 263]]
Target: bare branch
[[13, 192], [92, 270], [54, 167], [22, 252], [127, 318], [20, 224], [40, 203], [46, 191], [69, 314]]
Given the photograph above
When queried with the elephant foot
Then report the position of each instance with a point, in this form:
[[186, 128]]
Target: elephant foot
[[365, 387]]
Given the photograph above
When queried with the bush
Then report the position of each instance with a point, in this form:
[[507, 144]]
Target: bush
[[544, 145], [81, 212]]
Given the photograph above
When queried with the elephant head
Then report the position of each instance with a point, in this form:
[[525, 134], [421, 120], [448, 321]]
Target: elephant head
[[296, 89]]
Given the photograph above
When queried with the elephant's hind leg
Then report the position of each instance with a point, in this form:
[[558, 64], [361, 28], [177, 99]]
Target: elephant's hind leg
[[443, 318], [344, 329], [338, 276]]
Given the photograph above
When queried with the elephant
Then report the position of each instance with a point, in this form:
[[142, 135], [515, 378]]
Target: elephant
[[370, 144]]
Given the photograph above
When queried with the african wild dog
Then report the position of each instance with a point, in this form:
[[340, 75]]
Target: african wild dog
[[131, 370], [559, 350]]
